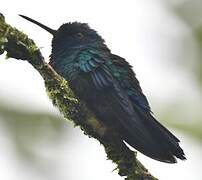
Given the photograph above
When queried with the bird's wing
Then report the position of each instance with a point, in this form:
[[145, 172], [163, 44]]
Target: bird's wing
[[102, 72], [131, 86]]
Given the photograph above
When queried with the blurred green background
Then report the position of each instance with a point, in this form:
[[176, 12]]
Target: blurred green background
[[162, 39]]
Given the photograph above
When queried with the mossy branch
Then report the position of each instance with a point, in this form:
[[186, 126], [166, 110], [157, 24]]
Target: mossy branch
[[17, 45]]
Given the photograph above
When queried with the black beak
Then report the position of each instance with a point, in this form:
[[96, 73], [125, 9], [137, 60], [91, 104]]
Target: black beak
[[53, 32]]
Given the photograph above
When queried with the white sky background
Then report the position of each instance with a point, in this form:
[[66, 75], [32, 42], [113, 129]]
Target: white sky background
[[146, 33]]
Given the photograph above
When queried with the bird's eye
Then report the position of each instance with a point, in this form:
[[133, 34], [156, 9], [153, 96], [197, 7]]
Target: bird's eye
[[79, 35]]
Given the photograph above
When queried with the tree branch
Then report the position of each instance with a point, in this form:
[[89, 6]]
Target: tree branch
[[17, 45]]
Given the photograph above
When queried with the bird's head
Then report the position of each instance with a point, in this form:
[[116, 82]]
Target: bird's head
[[75, 35], [71, 35]]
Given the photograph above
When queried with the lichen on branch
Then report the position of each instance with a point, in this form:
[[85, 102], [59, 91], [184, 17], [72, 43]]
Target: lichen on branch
[[17, 45]]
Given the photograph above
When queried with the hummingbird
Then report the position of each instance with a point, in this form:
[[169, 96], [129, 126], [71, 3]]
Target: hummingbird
[[108, 85]]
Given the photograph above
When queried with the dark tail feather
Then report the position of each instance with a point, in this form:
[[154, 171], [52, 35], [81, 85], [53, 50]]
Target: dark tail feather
[[156, 142], [140, 129], [168, 140]]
